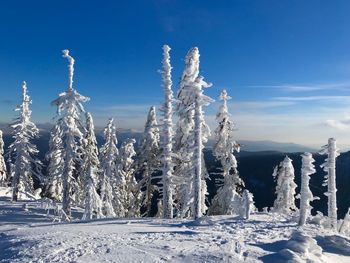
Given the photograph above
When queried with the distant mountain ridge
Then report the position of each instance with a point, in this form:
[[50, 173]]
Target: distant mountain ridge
[[246, 145]]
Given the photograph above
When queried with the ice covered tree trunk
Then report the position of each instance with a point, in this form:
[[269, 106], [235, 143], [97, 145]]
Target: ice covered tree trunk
[[285, 189], [3, 170], [149, 159], [329, 167], [201, 133], [198, 148], [167, 137], [306, 196], [22, 152], [224, 148], [69, 107], [109, 154], [91, 169]]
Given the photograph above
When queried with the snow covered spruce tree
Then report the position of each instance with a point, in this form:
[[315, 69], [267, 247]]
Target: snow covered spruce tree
[[167, 137], [285, 189], [22, 152], [226, 201], [192, 133], [69, 107], [108, 156], [332, 153], [55, 160], [3, 170], [149, 159], [91, 170], [129, 190], [306, 196]]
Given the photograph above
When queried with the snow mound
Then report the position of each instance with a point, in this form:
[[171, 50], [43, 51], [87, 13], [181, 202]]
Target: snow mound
[[300, 248]]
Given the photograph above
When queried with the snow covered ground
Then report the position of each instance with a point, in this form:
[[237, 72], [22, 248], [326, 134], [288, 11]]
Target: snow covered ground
[[30, 235]]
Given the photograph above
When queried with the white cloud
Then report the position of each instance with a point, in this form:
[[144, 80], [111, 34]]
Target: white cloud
[[314, 98], [341, 125], [345, 86]]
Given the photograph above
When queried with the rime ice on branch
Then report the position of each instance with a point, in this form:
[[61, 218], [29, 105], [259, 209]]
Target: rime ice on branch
[[166, 137], [306, 196], [22, 152], [285, 189], [329, 167], [69, 107]]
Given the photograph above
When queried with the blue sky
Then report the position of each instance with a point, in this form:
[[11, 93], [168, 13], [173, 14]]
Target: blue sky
[[285, 63]]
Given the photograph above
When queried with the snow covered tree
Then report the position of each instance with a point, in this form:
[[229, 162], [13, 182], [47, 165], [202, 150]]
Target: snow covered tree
[[149, 159], [3, 169], [55, 160], [167, 137], [22, 152], [69, 108], [184, 137], [285, 189], [129, 193], [108, 155], [306, 196], [91, 169], [192, 133], [329, 167], [225, 146]]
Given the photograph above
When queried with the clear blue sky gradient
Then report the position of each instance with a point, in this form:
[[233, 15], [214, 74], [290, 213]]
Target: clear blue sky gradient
[[283, 62]]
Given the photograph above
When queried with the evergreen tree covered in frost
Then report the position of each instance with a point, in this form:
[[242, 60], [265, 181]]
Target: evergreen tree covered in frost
[[55, 159], [184, 140], [191, 134], [129, 193], [22, 152], [167, 137], [149, 159], [332, 153], [225, 202], [3, 169], [109, 154], [285, 189], [91, 169], [69, 107], [306, 196]]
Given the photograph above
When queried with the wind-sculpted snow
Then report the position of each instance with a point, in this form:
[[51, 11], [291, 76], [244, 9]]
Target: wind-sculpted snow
[[31, 236]]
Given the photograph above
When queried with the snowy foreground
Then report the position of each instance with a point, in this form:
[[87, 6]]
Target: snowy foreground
[[30, 235]]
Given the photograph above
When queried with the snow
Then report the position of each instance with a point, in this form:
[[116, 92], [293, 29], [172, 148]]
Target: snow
[[32, 236]]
